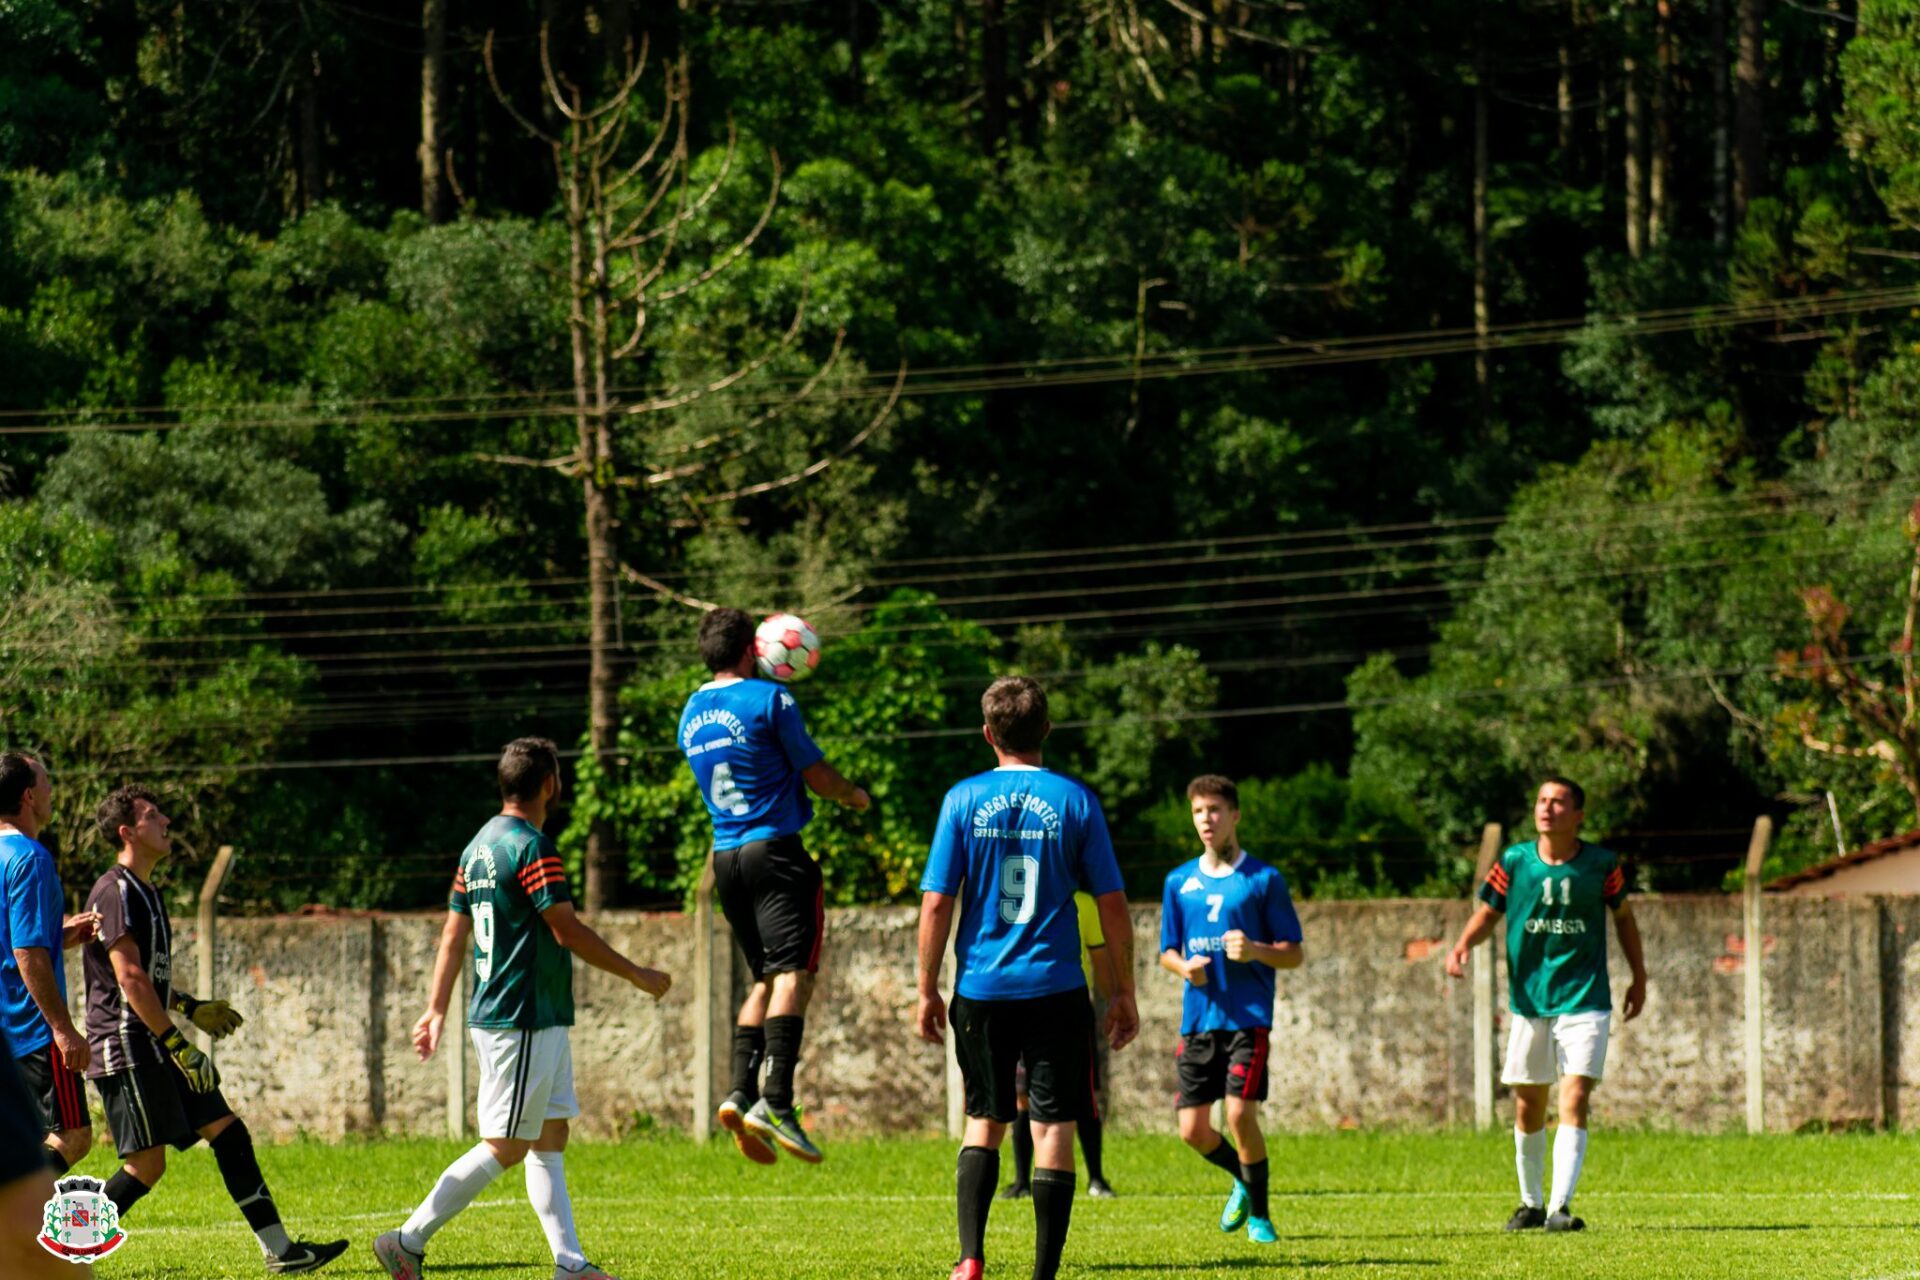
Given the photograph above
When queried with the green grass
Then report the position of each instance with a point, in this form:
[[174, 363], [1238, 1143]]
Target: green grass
[[1399, 1205]]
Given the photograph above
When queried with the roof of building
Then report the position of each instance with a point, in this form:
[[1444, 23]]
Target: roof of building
[[1865, 853]]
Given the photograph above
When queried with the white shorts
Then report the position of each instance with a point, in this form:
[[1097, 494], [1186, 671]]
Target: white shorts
[[526, 1079], [1541, 1050]]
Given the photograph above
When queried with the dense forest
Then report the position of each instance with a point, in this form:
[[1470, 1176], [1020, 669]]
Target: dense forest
[[1382, 403]]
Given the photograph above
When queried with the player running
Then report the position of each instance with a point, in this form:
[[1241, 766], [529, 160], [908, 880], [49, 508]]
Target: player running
[[34, 938], [1226, 923], [751, 755], [1555, 892], [510, 909], [1097, 966], [158, 1090], [1012, 845]]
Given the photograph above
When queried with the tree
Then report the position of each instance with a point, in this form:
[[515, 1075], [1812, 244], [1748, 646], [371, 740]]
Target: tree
[[629, 216]]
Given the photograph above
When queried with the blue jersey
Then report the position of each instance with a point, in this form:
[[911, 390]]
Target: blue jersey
[[1020, 840], [1197, 910], [747, 745], [33, 918]]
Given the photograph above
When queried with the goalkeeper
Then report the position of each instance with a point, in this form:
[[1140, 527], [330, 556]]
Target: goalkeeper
[[157, 1088]]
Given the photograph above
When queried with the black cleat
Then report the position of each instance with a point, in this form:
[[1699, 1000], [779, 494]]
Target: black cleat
[[1562, 1219], [1099, 1190], [1014, 1191], [1527, 1218], [305, 1256]]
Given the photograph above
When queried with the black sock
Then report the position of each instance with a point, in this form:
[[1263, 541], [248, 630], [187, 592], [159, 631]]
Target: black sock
[[1224, 1157], [240, 1170], [979, 1175], [1090, 1144], [56, 1162], [749, 1047], [783, 1055], [1022, 1149], [125, 1191], [1255, 1178], [1052, 1214]]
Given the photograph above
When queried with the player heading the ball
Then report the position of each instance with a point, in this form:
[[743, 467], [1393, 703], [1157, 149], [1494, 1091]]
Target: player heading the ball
[[749, 751], [1011, 846], [1226, 924], [510, 910], [1555, 891]]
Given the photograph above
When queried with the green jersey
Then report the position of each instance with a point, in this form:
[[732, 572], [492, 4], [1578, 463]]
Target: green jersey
[[507, 877], [1556, 927]]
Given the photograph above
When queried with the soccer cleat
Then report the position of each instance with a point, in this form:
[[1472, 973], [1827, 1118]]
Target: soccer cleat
[[784, 1130], [1260, 1231], [732, 1117], [968, 1269], [1234, 1215], [401, 1262], [1562, 1219], [306, 1256], [1526, 1218], [588, 1272], [1099, 1190], [1015, 1191]]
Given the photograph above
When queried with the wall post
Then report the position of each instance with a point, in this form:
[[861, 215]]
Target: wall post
[[712, 1005], [207, 918], [1484, 961], [1753, 957]]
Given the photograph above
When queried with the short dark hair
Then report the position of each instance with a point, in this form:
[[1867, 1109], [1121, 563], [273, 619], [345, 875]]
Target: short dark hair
[[1578, 792], [525, 766], [1015, 708], [120, 809], [17, 776], [1214, 784], [725, 635]]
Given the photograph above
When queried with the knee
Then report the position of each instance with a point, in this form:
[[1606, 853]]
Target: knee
[[1196, 1130], [148, 1165], [507, 1152], [1243, 1122], [74, 1144]]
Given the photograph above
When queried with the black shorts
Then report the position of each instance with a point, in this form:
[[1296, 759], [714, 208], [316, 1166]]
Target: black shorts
[[21, 1153], [56, 1091], [1097, 1057], [1216, 1064], [1052, 1035], [154, 1106], [773, 897]]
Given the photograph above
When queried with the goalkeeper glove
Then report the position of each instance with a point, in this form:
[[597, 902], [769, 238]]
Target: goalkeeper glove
[[196, 1066], [215, 1017]]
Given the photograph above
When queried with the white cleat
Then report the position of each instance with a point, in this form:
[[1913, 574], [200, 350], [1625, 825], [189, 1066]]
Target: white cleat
[[401, 1262]]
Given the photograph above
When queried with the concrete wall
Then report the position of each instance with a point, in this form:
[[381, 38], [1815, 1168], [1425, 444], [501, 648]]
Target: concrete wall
[[1369, 1032]]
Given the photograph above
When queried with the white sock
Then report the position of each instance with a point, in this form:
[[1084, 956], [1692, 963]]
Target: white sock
[[1530, 1160], [464, 1179], [273, 1240], [1569, 1154], [547, 1192]]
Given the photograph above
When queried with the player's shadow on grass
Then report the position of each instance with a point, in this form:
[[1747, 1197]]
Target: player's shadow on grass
[[1259, 1264], [491, 1267]]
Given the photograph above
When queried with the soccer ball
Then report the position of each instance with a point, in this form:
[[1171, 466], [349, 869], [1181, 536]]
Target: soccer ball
[[786, 648]]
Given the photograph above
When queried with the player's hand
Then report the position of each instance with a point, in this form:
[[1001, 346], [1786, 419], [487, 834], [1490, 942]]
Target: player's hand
[[1195, 969], [427, 1033], [653, 981], [73, 1047], [79, 929], [1636, 1000], [1123, 1020], [1457, 963], [196, 1066], [860, 801], [1235, 944], [215, 1017], [933, 1018]]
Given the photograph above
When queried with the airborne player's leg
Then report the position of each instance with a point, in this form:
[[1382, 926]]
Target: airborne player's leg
[[789, 915]]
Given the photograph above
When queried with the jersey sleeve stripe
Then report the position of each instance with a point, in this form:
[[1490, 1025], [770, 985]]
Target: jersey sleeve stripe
[[534, 886]]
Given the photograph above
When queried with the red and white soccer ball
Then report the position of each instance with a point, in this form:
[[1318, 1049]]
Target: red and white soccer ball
[[786, 647]]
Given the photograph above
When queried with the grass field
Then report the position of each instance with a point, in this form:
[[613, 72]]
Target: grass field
[[1387, 1205]]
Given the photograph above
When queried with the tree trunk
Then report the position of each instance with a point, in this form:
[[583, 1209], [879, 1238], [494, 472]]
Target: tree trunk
[[616, 33], [1749, 106], [307, 78], [1563, 102], [993, 76], [1482, 373], [855, 72], [1722, 121], [1659, 167], [1634, 87], [433, 72]]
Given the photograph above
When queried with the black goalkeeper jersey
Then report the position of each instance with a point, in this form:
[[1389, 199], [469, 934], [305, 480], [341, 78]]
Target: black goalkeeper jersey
[[129, 907]]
